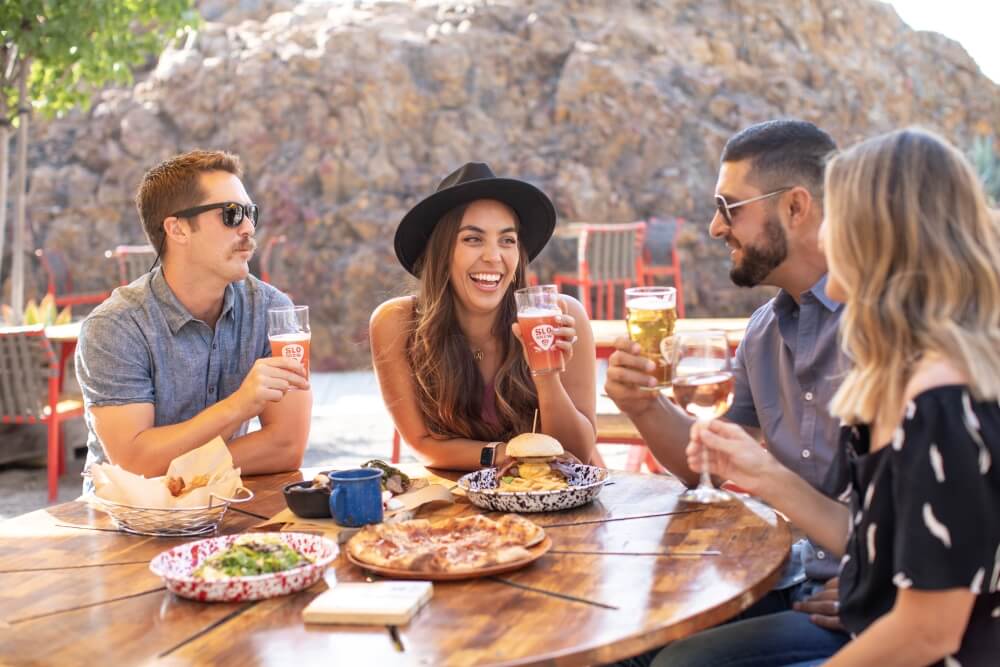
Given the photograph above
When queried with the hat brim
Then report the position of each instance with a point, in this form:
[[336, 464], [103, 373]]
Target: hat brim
[[535, 213]]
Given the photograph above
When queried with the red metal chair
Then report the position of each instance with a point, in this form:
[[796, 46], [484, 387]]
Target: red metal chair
[[609, 258], [30, 391], [660, 257], [60, 280], [133, 261]]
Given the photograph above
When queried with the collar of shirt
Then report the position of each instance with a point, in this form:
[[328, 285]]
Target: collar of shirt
[[173, 310], [784, 304]]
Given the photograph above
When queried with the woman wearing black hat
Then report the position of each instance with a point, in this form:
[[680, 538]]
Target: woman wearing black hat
[[449, 362]]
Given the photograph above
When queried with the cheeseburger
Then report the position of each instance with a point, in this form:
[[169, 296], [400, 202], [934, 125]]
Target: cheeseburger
[[532, 464]]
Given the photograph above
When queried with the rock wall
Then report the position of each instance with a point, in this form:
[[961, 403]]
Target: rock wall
[[346, 115]]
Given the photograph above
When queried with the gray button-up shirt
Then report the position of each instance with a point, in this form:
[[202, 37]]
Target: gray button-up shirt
[[788, 367], [143, 346]]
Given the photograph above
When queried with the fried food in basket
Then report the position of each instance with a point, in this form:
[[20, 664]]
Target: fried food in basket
[[178, 488]]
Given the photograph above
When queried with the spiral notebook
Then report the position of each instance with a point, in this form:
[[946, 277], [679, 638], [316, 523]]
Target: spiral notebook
[[376, 603]]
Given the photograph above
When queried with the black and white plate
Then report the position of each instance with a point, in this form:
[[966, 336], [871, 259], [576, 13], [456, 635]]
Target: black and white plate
[[585, 482]]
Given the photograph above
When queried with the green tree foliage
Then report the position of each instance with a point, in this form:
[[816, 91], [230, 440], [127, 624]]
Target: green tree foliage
[[54, 54], [986, 160]]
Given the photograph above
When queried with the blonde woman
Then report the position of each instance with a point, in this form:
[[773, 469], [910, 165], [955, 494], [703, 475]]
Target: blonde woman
[[448, 360], [914, 254]]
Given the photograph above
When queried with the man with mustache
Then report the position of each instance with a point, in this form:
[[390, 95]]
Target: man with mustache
[[769, 206], [181, 355]]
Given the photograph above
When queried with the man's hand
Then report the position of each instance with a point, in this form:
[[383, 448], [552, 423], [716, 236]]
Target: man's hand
[[630, 378], [267, 382], [824, 607]]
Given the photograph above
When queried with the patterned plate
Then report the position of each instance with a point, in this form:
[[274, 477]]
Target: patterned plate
[[585, 482], [177, 565]]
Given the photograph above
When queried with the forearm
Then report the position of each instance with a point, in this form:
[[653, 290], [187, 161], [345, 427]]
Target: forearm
[[891, 641], [667, 431], [449, 454], [152, 450], [560, 418], [823, 519], [271, 449]]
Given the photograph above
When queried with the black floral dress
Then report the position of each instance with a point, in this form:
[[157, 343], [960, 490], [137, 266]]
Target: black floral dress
[[925, 514]]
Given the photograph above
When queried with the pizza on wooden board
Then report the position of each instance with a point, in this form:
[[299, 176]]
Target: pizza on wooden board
[[448, 546]]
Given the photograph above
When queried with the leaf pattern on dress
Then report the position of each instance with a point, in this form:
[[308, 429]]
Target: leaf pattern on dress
[[995, 581], [996, 613], [937, 463], [972, 426], [950, 661], [902, 581], [897, 438], [871, 543], [845, 495], [936, 528], [869, 493], [911, 409], [977, 581]]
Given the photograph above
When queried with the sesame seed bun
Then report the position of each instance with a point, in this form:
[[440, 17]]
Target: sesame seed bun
[[533, 445]]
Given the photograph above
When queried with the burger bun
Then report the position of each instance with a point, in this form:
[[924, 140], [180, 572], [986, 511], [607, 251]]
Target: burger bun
[[533, 446]]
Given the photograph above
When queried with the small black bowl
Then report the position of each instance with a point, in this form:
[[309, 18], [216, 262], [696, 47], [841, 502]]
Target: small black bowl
[[307, 502]]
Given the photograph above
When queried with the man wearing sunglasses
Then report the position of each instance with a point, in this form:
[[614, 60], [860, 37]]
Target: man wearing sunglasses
[[768, 210], [181, 355]]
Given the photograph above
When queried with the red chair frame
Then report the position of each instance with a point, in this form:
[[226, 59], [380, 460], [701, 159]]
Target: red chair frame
[[672, 270], [616, 274], [65, 296]]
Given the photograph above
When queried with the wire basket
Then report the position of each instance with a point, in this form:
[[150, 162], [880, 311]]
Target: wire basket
[[181, 522]]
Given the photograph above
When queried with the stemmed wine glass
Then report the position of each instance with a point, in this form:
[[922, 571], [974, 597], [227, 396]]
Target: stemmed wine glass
[[703, 387]]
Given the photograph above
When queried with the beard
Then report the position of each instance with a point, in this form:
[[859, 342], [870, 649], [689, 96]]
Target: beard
[[760, 260]]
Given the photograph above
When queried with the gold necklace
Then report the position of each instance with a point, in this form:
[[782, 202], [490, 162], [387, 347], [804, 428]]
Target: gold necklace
[[477, 354]]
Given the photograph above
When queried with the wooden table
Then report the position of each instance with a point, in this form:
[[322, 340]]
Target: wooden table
[[607, 331], [71, 595]]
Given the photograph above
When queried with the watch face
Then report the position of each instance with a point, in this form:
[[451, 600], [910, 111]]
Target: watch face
[[487, 455]]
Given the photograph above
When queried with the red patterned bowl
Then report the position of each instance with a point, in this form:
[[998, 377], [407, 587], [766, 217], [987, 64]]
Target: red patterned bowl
[[177, 565]]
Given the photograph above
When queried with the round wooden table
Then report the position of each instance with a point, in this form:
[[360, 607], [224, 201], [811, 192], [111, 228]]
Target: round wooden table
[[629, 572]]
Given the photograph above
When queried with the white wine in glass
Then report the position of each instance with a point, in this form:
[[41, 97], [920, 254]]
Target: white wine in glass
[[703, 387]]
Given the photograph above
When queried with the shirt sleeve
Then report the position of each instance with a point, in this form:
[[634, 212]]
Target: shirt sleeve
[[112, 363], [946, 494], [743, 411], [274, 298]]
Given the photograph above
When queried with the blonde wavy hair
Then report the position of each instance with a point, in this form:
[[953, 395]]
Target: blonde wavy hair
[[449, 384], [911, 239]]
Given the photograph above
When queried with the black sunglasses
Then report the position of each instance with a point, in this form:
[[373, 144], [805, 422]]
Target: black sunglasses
[[233, 214], [726, 209]]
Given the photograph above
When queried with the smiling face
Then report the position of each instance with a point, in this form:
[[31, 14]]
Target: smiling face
[[486, 255], [214, 248], [757, 240]]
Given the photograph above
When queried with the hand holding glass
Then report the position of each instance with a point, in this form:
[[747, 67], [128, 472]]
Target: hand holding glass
[[703, 387], [538, 314], [288, 331]]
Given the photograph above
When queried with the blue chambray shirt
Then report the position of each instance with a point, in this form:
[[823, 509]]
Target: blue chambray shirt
[[143, 346], [788, 368]]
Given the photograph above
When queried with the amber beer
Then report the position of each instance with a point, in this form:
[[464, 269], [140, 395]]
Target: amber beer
[[288, 331], [651, 313], [537, 313]]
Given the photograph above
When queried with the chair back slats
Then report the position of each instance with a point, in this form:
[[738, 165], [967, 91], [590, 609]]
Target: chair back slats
[[661, 237], [26, 364], [133, 261], [611, 252]]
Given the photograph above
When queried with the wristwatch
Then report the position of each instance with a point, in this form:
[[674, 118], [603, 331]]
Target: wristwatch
[[488, 454]]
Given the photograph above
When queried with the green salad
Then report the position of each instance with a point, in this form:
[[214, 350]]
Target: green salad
[[251, 555]]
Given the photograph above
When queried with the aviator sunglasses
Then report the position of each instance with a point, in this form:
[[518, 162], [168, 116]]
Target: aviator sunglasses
[[233, 214], [726, 209]]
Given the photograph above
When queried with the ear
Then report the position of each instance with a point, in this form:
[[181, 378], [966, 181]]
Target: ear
[[177, 230], [799, 204]]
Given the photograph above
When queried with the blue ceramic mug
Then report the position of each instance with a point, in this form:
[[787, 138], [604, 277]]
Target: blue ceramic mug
[[356, 496]]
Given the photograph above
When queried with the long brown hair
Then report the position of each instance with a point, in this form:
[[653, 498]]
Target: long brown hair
[[912, 241], [449, 383]]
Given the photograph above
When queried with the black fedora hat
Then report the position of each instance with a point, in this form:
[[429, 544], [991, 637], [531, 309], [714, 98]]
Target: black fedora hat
[[472, 181]]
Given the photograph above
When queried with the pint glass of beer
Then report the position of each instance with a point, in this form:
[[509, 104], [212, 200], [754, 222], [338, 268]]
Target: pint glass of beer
[[650, 313], [537, 313], [288, 331]]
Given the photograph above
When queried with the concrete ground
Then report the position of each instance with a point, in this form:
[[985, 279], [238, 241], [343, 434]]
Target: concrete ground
[[349, 426]]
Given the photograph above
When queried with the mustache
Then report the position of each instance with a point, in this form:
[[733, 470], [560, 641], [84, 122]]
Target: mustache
[[247, 244]]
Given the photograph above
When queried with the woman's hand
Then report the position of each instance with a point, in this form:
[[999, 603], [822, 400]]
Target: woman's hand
[[565, 334], [733, 454]]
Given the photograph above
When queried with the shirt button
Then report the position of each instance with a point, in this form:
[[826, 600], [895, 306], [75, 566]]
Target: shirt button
[[214, 346], [808, 396], [821, 554], [211, 390], [806, 453]]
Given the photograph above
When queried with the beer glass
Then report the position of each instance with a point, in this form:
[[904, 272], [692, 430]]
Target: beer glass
[[288, 331], [650, 313], [537, 313], [703, 387]]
